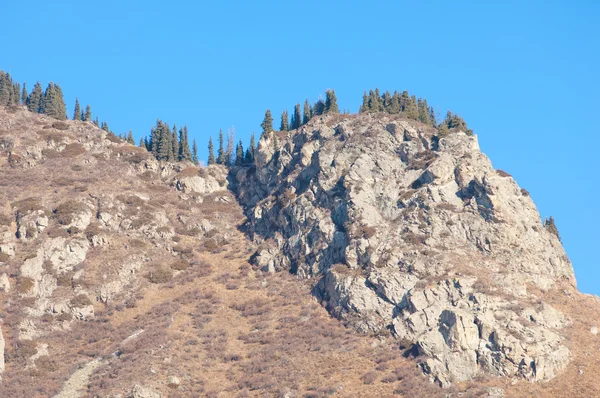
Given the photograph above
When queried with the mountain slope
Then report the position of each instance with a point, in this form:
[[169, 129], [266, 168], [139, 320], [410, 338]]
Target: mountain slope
[[124, 276]]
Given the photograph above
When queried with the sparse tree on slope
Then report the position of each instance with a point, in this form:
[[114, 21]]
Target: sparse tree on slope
[[34, 101], [211, 152], [184, 145], [284, 121], [331, 105], [296, 117], [250, 150], [195, 152], [221, 151], [239, 154], [307, 112], [77, 111], [267, 124], [88, 114], [24, 94]]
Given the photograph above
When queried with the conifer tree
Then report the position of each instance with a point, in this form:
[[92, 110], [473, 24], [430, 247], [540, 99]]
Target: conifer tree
[[130, 138], [239, 154], [104, 126], [296, 117], [267, 124], [53, 103], [306, 113], [96, 123], [142, 142], [250, 150], [275, 142], [284, 121], [550, 226], [6, 89], [184, 145], [221, 151], [24, 95], [88, 114], [230, 147], [195, 153], [410, 110], [174, 145], [211, 152], [34, 101], [386, 101], [365, 103], [331, 105], [319, 108], [394, 107], [77, 111], [16, 94]]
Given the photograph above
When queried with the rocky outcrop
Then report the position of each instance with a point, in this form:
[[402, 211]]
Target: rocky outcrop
[[408, 231]]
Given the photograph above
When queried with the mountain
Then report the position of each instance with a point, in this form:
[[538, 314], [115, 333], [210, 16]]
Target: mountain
[[125, 276]]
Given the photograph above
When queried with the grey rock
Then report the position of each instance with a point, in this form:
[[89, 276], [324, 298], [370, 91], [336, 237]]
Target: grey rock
[[401, 230]]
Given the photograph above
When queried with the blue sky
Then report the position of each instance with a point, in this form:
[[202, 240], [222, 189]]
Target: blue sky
[[523, 74]]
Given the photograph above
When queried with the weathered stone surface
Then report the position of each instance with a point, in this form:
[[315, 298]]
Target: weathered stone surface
[[143, 392], [383, 214]]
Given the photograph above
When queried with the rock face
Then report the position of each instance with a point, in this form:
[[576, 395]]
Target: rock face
[[407, 231]]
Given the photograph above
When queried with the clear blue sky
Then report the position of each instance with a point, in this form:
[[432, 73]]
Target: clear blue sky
[[525, 75]]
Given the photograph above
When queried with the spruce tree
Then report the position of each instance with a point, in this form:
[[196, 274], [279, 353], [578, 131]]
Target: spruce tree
[[77, 111], [239, 154], [142, 142], [6, 89], [267, 124], [221, 151], [130, 138], [211, 152], [174, 145], [394, 107], [307, 112], [96, 123], [104, 126], [16, 94], [230, 147], [296, 117], [284, 121], [365, 104], [319, 108], [410, 110], [195, 152], [387, 101], [250, 150], [331, 105], [34, 101], [53, 103], [88, 114], [550, 226], [184, 145], [24, 94]]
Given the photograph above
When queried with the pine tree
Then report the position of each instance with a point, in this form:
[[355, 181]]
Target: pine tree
[[230, 147], [195, 152], [96, 123], [307, 112], [331, 105], [394, 107], [365, 104], [6, 89], [174, 145], [284, 121], [24, 94], [267, 124], [387, 101], [239, 154], [221, 151], [250, 150], [104, 126], [53, 103], [410, 110], [77, 111], [88, 114], [16, 94], [275, 142], [318, 108], [130, 138], [550, 226], [142, 142], [184, 145], [211, 152], [34, 101], [296, 117]]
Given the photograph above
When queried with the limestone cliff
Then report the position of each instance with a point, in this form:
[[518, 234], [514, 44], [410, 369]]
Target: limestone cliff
[[405, 231]]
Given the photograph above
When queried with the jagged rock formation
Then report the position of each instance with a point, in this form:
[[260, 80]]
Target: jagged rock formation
[[404, 230]]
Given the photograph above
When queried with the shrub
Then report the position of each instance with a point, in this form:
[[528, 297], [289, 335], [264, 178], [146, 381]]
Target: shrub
[[60, 125], [5, 219], [160, 275], [65, 213], [24, 285], [369, 378], [73, 150], [179, 265], [524, 192], [502, 173], [28, 205], [81, 300], [4, 257], [113, 138]]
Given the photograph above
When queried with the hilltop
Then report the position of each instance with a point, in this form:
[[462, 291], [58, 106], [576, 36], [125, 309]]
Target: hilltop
[[125, 274]]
